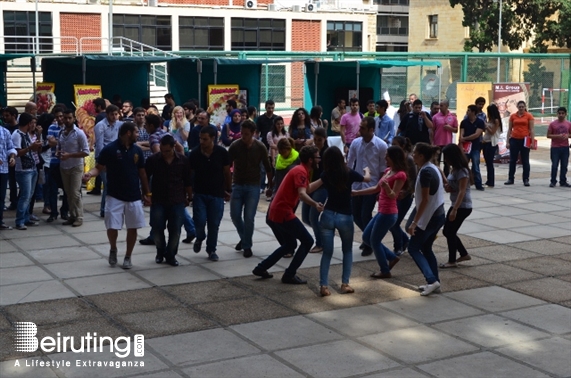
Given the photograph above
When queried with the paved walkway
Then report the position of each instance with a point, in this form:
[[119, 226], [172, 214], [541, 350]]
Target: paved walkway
[[504, 313]]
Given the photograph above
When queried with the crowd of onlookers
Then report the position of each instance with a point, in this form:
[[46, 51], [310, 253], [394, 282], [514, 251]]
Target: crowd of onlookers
[[340, 169]]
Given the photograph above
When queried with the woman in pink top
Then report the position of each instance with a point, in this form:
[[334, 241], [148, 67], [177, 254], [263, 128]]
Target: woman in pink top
[[389, 187]]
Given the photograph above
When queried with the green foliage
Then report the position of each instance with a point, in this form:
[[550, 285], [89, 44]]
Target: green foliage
[[534, 76]]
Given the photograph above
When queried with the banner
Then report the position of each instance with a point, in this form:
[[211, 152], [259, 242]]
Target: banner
[[45, 98], [84, 108], [218, 95], [506, 96], [468, 93]]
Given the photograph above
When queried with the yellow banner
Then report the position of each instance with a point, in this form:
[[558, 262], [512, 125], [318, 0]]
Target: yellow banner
[[467, 95], [85, 110], [45, 98], [218, 95]]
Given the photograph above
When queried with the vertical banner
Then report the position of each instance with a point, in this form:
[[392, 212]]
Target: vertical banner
[[506, 96], [84, 108], [468, 93], [45, 98], [218, 95]]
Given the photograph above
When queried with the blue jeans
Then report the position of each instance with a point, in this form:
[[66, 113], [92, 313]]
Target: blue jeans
[[189, 224], [373, 237], [53, 180], [474, 155], [103, 176], [27, 182], [489, 155], [517, 148], [170, 217], [400, 238], [344, 224], [244, 198], [420, 248], [310, 215], [363, 210], [207, 210], [3, 187], [262, 176], [287, 233], [559, 155]]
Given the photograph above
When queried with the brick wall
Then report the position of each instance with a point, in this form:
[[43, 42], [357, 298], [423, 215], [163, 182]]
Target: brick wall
[[238, 3], [80, 25], [305, 36]]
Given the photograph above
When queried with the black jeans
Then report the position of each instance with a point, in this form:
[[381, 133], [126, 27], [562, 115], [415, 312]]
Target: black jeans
[[363, 209], [489, 154], [517, 148], [287, 233], [450, 231]]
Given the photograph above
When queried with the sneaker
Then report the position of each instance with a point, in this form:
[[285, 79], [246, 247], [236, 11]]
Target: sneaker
[[21, 227], [4, 226], [147, 241], [68, 222], [367, 251], [295, 280], [509, 182], [261, 273], [112, 257], [127, 263], [197, 246], [213, 256], [525, 182], [34, 218], [238, 246], [32, 224], [77, 223], [398, 252], [428, 289], [565, 185], [552, 185], [423, 287]]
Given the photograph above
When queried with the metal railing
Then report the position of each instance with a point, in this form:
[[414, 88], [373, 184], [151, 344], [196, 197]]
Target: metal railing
[[27, 44], [120, 46]]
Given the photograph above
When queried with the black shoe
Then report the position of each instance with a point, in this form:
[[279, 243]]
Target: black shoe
[[362, 246], [525, 182], [188, 239], [565, 185], [159, 258], [552, 185], [295, 280], [12, 208], [197, 245], [261, 273], [147, 241], [172, 262], [481, 188], [367, 251], [51, 218], [94, 192], [213, 256], [248, 252], [509, 182], [238, 246], [102, 214], [64, 216]]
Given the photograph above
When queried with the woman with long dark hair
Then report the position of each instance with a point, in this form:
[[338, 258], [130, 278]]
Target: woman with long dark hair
[[389, 186], [520, 128], [490, 142], [459, 181], [401, 113], [315, 118], [273, 137], [337, 215], [300, 128]]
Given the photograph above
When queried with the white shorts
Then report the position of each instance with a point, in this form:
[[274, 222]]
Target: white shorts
[[117, 211]]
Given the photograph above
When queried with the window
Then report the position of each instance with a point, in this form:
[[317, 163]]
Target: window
[[391, 2], [22, 25], [276, 79], [151, 30], [201, 33], [344, 36], [392, 25], [433, 26], [393, 48], [258, 34]]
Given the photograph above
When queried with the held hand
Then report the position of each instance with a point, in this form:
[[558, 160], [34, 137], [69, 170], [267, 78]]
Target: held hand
[[461, 140], [452, 215], [86, 177], [147, 200], [11, 162], [36, 146], [319, 207], [227, 196], [411, 229]]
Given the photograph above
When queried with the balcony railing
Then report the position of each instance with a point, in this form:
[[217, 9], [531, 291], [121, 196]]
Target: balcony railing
[[392, 31]]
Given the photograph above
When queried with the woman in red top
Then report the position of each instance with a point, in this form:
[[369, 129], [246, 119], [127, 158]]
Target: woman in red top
[[389, 187], [521, 127]]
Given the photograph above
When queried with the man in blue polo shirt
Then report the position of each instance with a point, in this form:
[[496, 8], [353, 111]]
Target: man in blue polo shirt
[[124, 163]]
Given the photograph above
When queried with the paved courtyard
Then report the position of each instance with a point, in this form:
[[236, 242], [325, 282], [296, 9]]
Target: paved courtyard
[[505, 313]]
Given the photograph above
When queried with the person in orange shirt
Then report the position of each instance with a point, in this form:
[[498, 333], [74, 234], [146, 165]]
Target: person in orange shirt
[[520, 128]]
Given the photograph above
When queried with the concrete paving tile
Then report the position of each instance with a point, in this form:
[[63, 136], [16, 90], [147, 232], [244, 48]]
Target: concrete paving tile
[[565, 277], [500, 253], [474, 228], [132, 301], [8, 352], [6, 246], [450, 281], [544, 247], [14, 259], [503, 237], [551, 355], [468, 241], [501, 223], [551, 317], [8, 369], [203, 346], [485, 364], [549, 289], [206, 292], [272, 286], [58, 255], [539, 207], [361, 321], [337, 359], [562, 213], [499, 274], [377, 291], [490, 330], [563, 239], [33, 232], [4, 323], [254, 366], [509, 211], [83, 268], [544, 218], [544, 231], [232, 237], [308, 301], [546, 265], [159, 374], [235, 268], [178, 275], [565, 304], [428, 344], [508, 199], [107, 283], [399, 373], [285, 333], [244, 310], [46, 242], [34, 292], [92, 238], [23, 274], [494, 299], [52, 312], [358, 274], [172, 320], [431, 309], [442, 257]]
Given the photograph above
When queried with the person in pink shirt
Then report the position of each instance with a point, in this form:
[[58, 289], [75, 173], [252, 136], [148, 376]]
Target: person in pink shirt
[[559, 131], [445, 123], [350, 124]]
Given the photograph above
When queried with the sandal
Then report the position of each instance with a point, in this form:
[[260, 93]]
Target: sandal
[[379, 275], [448, 265], [464, 258], [346, 289], [324, 291], [316, 249]]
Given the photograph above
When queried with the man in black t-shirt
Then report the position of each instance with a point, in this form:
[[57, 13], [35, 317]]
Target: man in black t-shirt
[[265, 124], [471, 130], [416, 124], [210, 164]]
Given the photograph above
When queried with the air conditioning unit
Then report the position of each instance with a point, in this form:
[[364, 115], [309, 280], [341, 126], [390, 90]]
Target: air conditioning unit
[[153, 3], [311, 7], [250, 4], [296, 8], [272, 7]]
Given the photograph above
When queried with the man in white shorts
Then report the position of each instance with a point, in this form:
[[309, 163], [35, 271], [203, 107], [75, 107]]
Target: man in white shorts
[[124, 163]]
